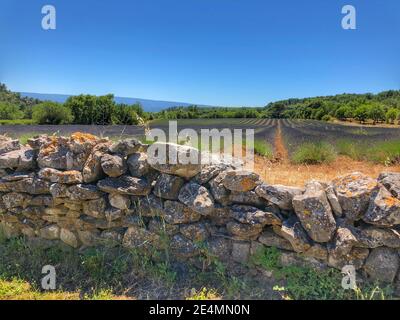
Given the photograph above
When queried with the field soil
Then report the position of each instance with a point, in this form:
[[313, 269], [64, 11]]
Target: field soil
[[286, 173]]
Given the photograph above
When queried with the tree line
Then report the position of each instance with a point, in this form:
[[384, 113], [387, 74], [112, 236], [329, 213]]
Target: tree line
[[81, 109]]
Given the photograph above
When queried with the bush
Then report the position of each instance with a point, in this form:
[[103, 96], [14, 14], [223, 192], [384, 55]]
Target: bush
[[262, 148], [386, 153], [10, 111], [126, 114], [351, 149], [314, 153], [51, 113]]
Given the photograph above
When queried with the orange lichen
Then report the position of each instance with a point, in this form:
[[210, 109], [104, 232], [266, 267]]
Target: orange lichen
[[391, 201], [83, 137]]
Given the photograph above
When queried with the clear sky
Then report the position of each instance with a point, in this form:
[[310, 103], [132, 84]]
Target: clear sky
[[216, 52]]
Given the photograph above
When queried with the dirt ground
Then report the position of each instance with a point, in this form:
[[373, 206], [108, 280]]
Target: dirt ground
[[296, 175]]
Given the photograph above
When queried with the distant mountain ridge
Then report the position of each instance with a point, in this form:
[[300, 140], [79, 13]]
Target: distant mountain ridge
[[147, 104]]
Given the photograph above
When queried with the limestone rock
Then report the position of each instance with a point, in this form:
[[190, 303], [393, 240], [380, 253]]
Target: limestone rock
[[119, 201], [7, 144], [195, 231], [177, 213], [51, 232], [95, 208], [92, 170], [293, 232], [271, 239], [240, 251], [391, 181], [218, 191], [280, 195], [254, 216], [353, 192], [382, 264], [209, 172], [183, 248], [112, 214], [373, 237], [240, 180], [113, 165], [247, 198], [125, 185], [136, 237], [147, 206], [21, 159], [127, 147], [384, 209], [14, 199], [315, 213], [83, 192], [69, 238], [185, 161], [356, 257], [138, 165], [54, 175], [334, 201], [168, 186], [242, 231], [197, 197]]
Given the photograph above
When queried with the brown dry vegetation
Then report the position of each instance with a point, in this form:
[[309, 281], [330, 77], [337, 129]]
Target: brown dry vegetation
[[296, 175]]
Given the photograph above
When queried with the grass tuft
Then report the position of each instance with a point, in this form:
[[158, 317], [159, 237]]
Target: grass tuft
[[314, 153]]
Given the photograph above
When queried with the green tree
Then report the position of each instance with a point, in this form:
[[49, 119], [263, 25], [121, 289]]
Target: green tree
[[391, 115], [10, 111], [51, 113], [361, 113], [376, 112]]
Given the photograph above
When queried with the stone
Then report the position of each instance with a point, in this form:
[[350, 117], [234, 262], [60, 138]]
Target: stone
[[51, 232], [147, 206], [112, 214], [343, 243], [218, 191], [161, 227], [92, 170], [185, 161], [136, 237], [177, 213], [138, 165], [66, 177], [353, 192], [209, 172], [42, 201], [112, 238], [95, 208], [83, 192], [127, 147], [89, 238], [290, 259], [14, 199], [168, 186], [240, 180], [183, 248], [119, 201], [315, 213], [391, 181], [383, 209], [221, 215], [356, 257], [242, 231], [293, 232], [334, 201], [196, 197], [269, 238], [58, 190], [113, 165], [125, 185], [240, 251], [382, 264], [254, 216], [22, 159], [279, 195], [7, 144], [317, 251], [69, 238], [373, 237], [247, 198], [219, 247], [195, 231]]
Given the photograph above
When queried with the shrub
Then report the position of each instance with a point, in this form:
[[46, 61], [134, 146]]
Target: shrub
[[387, 152], [262, 148], [51, 113], [126, 114], [351, 149], [10, 111], [314, 153]]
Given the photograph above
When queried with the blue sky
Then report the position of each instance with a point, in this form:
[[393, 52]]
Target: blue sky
[[216, 52]]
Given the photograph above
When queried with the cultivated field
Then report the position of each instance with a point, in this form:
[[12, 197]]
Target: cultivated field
[[289, 151]]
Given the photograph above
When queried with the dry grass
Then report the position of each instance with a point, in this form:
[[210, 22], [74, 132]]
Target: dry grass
[[297, 175]]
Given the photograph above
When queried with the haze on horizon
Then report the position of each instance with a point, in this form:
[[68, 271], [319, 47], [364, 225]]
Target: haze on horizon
[[221, 53]]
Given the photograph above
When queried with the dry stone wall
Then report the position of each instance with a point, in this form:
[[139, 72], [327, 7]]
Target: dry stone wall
[[87, 191]]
